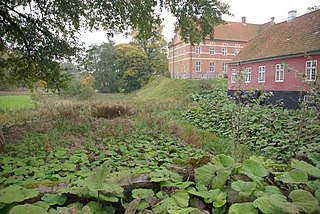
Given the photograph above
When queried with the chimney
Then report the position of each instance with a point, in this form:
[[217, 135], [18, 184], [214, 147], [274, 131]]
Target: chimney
[[244, 20], [291, 15], [272, 19]]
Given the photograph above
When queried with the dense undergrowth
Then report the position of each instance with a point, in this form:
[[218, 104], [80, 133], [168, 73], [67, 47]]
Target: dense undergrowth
[[271, 131], [136, 154]]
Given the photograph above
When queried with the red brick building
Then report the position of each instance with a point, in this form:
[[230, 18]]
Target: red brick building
[[209, 59], [284, 59]]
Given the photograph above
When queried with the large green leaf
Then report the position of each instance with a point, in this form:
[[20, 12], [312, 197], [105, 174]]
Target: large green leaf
[[186, 210], [314, 157], [221, 179], [180, 199], [53, 199], [306, 167], [241, 208], [27, 209], [13, 193], [217, 197], [294, 176], [304, 200], [223, 161], [96, 186], [264, 204], [142, 193], [165, 177], [205, 174], [253, 170], [317, 194], [246, 188]]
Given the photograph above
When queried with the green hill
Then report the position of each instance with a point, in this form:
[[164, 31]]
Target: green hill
[[175, 90]]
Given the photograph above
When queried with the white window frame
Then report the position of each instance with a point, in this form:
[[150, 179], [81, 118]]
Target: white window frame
[[224, 51], [307, 98], [198, 50], [247, 77], [184, 67], [211, 50], [211, 66], [311, 70], [236, 51], [198, 66], [279, 73], [224, 67], [262, 73], [234, 75]]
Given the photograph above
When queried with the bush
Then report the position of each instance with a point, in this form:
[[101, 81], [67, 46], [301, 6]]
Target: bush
[[78, 90], [110, 111]]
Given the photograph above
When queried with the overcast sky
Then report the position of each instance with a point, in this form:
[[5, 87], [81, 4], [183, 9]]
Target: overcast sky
[[255, 11]]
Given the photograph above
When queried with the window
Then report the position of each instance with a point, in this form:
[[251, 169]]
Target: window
[[307, 98], [311, 70], [198, 66], [198, 50], [184, 67], [262, 74], [279, 73], [224, 67], [211, 66], [233, 75], [236, 51], [247, 77], [211, 50], [224, 51]]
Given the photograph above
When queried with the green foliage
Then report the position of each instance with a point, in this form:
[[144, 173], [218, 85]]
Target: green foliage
[[178, 200], [39, 34], [155, 48], [131, 67], [253, 170], [176, 195], [239, 208], [271, 131], [100, 62], [12, 194], [27, 209], [53, 199], [78, 88]]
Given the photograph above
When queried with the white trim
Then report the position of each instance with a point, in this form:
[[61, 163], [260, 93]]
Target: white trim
[[280, 70], [206, 45], [308, 79], [233, 75], [197, 66], [214, 67], [248, 71], [264, 73], [193, 58]]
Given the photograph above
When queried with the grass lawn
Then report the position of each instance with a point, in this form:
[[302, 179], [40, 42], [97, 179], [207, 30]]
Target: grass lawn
[[15, 102]]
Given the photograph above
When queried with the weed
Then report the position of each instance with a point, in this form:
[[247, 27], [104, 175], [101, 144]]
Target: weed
[[110, 111]]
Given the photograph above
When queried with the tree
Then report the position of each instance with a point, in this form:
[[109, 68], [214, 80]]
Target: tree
[[100, 61], [36, 35], [155, 48], [131, 67]]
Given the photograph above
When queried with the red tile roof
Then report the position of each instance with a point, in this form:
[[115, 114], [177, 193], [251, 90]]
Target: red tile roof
[[237, 31], [234, 31], [298, 36]]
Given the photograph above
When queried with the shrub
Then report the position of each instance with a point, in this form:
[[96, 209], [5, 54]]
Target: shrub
[[78, 90], [110, 111]]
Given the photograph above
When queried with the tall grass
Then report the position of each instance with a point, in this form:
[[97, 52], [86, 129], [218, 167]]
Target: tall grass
[[155, 109]]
